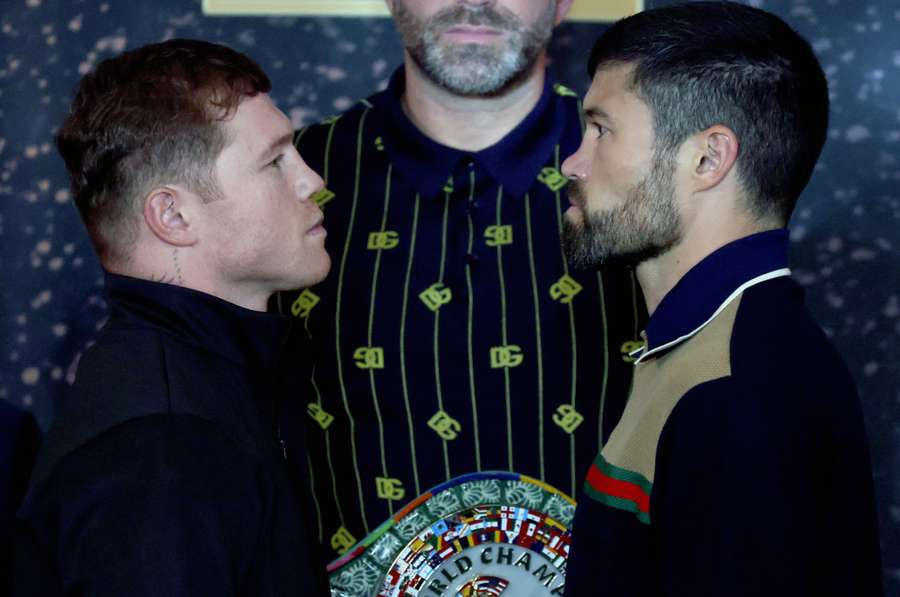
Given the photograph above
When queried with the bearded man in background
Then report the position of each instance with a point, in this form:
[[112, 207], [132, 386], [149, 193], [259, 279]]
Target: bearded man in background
[[452, 336]]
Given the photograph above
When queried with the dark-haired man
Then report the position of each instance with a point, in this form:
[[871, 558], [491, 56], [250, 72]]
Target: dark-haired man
[[740, 465], [164, 473], [452, 337]]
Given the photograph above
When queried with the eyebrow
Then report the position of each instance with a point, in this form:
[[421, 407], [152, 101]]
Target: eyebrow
[[597, 113], [284, 139]]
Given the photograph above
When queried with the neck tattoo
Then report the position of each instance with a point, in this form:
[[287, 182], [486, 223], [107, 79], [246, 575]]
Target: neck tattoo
[[179, 279]]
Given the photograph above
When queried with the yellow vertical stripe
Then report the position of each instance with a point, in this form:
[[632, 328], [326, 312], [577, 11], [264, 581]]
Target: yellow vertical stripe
[[600, 439], [312, 491], [372, 295], [327, 432], [334, 489], [337, 319], [403, 382], [437, 321], [299, 135], [469, 324], [537, 334], [503, 331], [574, 374], [325, 168]]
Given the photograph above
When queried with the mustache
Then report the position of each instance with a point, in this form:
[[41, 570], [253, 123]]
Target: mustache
[[476, 16], [577, 194]]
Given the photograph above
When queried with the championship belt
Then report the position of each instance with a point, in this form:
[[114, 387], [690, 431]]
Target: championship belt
[[475, 535]]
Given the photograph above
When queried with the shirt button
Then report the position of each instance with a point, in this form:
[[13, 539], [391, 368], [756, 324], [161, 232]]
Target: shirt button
[[471, 259]]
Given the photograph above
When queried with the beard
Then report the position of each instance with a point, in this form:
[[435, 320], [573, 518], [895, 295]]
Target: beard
[[644, 226], [476, 70]]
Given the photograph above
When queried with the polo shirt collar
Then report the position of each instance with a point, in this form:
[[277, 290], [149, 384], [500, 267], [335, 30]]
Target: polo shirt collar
[[711, 285], [515, 161]]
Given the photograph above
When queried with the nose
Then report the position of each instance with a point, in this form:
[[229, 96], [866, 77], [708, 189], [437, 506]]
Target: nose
[[308, 182], [576, 166]]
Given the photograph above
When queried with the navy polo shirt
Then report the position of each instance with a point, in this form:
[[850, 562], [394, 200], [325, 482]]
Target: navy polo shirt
[[451, 335], [740, 465]]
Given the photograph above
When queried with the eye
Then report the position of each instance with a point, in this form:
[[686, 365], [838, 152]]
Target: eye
[[598, 128], [277, 161]]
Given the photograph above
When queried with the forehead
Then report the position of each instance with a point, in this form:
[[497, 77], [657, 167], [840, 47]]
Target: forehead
[[611, 87], [255, 123]]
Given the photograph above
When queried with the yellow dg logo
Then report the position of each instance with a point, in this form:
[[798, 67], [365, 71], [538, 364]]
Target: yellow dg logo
[[383, 240], [444, 425], [318, 415], [498, 235], [553, 178], [436, 296], [304, 303], [369, 358], [568, 418], [628, 348], [506, 356], [323, 197], [565, 289], [563, 90], [342, 540], [448, 186], [389, 489]]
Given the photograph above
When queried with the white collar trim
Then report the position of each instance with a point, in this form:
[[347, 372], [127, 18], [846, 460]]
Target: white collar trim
[[778, 273]]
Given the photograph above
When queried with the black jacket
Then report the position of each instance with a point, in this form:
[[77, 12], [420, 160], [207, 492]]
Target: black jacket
[[19, 442], [164, 473]]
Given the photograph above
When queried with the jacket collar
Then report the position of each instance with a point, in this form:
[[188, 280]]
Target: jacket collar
[[515, 161], [708, 287], [250, 338]]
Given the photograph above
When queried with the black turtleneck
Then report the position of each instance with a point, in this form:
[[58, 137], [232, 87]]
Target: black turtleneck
[[164, 473]]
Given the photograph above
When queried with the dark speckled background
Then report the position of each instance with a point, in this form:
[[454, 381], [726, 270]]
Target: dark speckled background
[[846, 244]]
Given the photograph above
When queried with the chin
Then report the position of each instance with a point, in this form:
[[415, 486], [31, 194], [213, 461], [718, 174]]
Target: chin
[[316, 275]]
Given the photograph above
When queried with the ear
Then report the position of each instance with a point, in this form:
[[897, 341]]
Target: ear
[[715, 156], [166, 212], [562, 9]]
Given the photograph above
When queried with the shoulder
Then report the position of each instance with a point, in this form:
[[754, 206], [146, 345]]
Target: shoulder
[[779, 350], [167, 453], [783, 378], [164, 504]]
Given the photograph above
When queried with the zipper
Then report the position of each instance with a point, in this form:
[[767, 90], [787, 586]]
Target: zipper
[[281, 441]]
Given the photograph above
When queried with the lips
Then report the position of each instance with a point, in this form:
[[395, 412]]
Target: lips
[[576, 194], [473, 30], [317, 228]]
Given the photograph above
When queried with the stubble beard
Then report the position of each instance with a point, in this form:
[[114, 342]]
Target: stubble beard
[[474, 70], [644, 226]]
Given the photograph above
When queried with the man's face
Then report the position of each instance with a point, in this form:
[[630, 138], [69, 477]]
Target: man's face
[[265, 232], [622, 190], [475, 48]]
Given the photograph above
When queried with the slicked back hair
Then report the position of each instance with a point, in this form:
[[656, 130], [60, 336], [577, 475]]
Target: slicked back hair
[[705, 63], [149, 117]]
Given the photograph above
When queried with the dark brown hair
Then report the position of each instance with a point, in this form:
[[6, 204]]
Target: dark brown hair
[[148, 117]]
